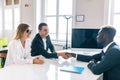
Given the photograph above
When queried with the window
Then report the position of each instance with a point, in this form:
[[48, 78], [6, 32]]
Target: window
[[1, 19], [65, 7], [16, 17], [62, 28], [58, 11], [8, 19], [50, 7], [54, 16], [115, 17], [51, 21], [11, 14]]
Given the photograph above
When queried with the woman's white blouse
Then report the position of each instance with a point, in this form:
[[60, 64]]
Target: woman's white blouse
[[17, 54]]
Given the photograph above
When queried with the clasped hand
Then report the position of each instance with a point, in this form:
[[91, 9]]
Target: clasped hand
[[37, 60], [66, 55]]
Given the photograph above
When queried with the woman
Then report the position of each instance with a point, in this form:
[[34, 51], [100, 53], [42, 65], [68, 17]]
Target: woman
[[19, 48]]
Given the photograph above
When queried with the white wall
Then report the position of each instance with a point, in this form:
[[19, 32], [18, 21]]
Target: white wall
[[93, 10], [28, 14]]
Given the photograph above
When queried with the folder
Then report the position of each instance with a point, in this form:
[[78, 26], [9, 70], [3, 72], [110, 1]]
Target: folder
[[73, 69]]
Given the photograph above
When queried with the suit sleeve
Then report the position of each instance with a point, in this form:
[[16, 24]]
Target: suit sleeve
[[86, 58], [110, 60], [38, 49]]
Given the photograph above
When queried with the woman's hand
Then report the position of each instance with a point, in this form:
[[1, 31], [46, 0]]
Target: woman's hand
[[37, 60]]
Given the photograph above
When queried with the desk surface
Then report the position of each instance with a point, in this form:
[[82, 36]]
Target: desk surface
[[50, 70]]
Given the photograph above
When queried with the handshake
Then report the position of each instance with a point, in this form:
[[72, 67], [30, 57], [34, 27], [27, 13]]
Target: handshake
[[66, 55]]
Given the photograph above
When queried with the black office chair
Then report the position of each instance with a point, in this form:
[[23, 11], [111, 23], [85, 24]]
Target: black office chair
[[3, 55]]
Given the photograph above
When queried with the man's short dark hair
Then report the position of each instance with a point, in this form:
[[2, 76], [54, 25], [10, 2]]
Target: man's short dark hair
[[41, 25], [110, 31]]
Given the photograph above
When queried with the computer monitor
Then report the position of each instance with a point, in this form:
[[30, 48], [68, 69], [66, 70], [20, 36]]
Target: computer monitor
[[85, 38]]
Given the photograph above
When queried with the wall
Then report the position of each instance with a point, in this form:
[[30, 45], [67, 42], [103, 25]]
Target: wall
[[28, 14], [93, 10]]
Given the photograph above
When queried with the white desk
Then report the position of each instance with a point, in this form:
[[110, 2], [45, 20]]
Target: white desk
[[48, 71]]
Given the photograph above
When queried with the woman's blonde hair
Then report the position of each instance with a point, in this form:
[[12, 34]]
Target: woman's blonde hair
[[20, 30]]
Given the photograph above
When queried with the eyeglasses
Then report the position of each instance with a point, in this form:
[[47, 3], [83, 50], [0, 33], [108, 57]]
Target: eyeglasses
[[28, 31]]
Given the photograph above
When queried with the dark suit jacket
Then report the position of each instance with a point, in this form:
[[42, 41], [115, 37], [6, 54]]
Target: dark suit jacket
[[38, 47], [109, 63]]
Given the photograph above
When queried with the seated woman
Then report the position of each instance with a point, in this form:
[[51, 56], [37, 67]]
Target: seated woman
[[19, 48]]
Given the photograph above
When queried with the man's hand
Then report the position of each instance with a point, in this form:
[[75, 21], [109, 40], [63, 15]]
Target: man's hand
[[63, 54], [37, 60], [91, 63], [66, 55], [70, 54], [93, 60]]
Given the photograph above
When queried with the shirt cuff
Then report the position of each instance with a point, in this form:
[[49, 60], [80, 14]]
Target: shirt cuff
[[76, 56]]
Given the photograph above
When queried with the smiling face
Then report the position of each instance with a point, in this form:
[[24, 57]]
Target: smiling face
[[43, 31]]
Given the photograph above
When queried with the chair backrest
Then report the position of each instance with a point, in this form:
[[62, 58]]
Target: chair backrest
[[3, 42], [0, 63]]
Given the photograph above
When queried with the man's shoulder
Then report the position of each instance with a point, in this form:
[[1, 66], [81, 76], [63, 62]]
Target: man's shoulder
[[37, 36], [48, 37], [114, 48]]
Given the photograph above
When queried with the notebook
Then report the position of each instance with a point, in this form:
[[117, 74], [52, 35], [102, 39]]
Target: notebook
[[73, 69]]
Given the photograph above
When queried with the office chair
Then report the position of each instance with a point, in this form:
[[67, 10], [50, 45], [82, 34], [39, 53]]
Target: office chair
[[3, 43]]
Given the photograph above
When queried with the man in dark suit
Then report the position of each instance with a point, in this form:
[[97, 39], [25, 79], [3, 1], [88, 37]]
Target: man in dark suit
[[106, 62], [41, 43]]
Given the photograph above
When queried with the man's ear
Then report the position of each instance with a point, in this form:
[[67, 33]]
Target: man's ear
[[106, 36], [38, 30]]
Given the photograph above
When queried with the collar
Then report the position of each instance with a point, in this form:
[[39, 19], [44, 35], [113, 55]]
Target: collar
[[44, 39], [105, 48]]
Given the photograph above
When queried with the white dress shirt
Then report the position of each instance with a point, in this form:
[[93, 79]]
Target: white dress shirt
[[17, 54], [44, 42]]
